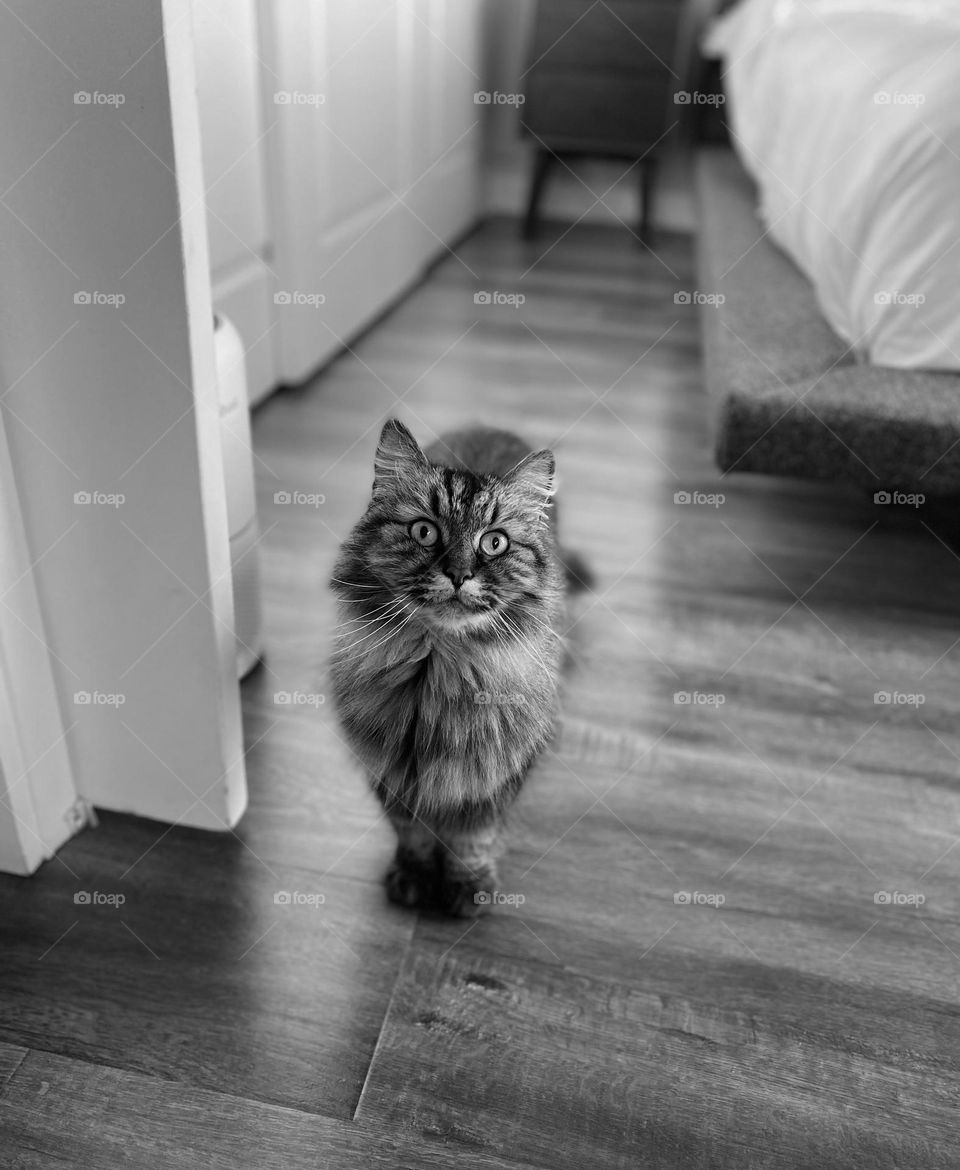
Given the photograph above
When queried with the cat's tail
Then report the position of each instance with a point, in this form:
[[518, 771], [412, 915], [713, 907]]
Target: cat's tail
[[579, 575]]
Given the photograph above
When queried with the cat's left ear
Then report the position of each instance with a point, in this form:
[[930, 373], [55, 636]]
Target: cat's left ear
[[398, 454], [534, 478]]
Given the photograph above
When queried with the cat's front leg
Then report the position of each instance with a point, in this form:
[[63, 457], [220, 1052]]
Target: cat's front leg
[[414, 874], [468, 875]]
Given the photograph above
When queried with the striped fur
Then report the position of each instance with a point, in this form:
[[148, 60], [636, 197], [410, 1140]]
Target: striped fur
[[447, 694]]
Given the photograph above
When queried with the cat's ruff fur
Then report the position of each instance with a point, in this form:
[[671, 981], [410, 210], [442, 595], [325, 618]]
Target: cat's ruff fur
[[446, 664]]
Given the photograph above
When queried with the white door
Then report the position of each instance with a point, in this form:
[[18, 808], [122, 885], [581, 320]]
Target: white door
[[373, 159], [109, 405]]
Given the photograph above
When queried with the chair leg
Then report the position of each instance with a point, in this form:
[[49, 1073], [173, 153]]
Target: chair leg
[[648, 178], [541, 169]]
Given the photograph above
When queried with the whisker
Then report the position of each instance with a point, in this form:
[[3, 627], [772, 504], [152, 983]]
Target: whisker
[[529, 647], [355, 625], [392, 634], [355, 584], [380, 623], [370, 617], [531, 616]]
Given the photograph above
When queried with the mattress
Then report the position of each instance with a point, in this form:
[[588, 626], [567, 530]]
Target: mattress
[[846, 113]]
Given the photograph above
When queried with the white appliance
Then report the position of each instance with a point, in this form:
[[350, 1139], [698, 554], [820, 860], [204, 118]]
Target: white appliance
[[241, 497]]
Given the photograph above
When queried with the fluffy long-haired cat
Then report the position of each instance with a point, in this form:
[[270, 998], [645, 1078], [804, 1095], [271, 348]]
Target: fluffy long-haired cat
[[446, 662]]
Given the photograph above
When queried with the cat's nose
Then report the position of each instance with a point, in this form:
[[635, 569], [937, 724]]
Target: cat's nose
[[458, 576]]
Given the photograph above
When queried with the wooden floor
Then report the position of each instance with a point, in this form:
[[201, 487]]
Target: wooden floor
[[701, 973]]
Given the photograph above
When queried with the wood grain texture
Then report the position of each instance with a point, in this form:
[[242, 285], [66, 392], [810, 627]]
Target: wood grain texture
[[793, 603], [633, 1078], [10, 1060], [600, 1022], [65, 1113], [199, 976]]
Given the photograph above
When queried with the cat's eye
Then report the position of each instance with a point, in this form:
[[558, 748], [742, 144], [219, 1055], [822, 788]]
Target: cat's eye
[[424, 532], [493, 544]]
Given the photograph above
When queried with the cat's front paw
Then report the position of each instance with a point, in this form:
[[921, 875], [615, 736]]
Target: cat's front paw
[[410, 884], [466, 898]]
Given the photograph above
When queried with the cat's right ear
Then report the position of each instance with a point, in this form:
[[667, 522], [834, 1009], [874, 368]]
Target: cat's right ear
[[534, 477], [398, 456]]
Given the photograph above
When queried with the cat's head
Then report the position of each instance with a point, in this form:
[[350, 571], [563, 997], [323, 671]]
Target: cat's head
[[460, 548]]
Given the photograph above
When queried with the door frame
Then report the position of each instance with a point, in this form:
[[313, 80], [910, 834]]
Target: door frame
[[39, 804], [131, 602]]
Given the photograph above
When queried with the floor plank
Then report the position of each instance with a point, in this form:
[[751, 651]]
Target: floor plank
[[65, 1113], [199, 976], [505, 1056], [600, 1022]]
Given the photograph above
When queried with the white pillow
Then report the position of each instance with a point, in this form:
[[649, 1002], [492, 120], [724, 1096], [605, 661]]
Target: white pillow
[[847, 115]]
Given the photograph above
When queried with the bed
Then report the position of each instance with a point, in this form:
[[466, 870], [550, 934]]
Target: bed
[[830, 236]]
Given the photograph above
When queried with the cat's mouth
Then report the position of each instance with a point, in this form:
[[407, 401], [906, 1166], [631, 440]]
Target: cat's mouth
[[460, 600], [454, 601], [456, 612]]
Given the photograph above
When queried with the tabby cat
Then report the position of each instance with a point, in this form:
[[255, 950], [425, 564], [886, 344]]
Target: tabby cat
[[446, 663]]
